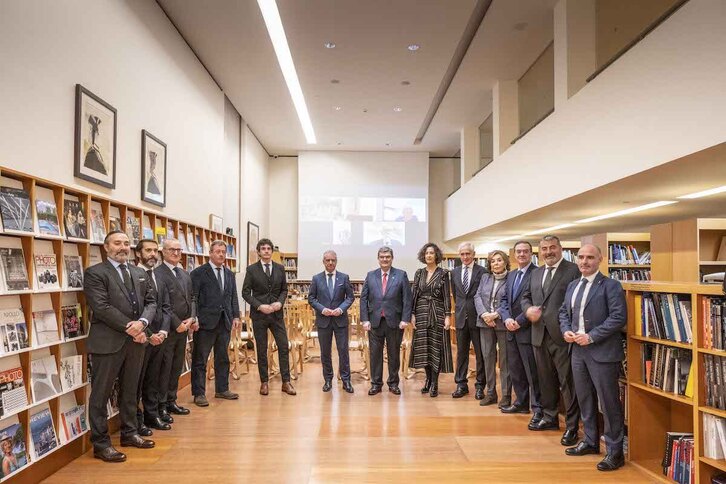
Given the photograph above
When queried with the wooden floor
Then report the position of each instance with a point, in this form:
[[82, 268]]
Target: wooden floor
[[336, 437]]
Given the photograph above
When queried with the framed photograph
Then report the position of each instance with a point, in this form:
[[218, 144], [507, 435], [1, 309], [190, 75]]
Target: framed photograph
[[95, 143], [253, 236], [153, 169], [216, 224]]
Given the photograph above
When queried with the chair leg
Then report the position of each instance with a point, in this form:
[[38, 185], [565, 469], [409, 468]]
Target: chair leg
[[210, 366]]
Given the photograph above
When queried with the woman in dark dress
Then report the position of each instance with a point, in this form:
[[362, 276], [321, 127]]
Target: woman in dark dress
[[430, 320]]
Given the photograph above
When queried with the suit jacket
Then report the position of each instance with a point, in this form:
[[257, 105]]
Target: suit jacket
[[395, 303], [510, 305], [179, 289], [162, 318], [464, 300], [605, 315], [319, 298], [550, 302], [212, 303], [258, 289], [111, 307], [483, 300]]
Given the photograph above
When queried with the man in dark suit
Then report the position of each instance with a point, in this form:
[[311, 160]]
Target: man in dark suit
[[147, 252], [466, 281], [592, 318], [541, 304], [214, 291], [331, 294], [265, 290], [182, 319], [385, 310], [123, 303], [520, 357]]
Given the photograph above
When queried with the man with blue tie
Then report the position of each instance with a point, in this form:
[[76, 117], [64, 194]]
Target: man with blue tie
[[385, 310], [331, 294], [592, 317]]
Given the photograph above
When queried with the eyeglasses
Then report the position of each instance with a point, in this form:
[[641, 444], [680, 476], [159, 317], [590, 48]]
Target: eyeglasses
[[174, 250]]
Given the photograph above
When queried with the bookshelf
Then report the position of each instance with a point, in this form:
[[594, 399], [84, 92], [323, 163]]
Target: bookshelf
[[289, 260], [626, 256], [657, 411], [84, 245], [452, 261]]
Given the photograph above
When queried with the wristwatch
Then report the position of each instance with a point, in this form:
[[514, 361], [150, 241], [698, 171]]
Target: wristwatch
[[589, 339]]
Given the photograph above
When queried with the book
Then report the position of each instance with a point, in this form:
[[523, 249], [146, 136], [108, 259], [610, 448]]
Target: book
[[74, 422], [44, 378], [12, 441], [160, 233], [46, 271], [72, 321], [13, 396], [666, 368], [47, 214], [191, 263], [114, 223], [183, 242], [13, 330], [147, 233], [45, 327], [71, 369], [42, 432], [74, 220], [190, 241], [74, 271], [94, 256], [133, 231], [113, 405], [198, 245], [15, 209], [14, 271], [98, 228]]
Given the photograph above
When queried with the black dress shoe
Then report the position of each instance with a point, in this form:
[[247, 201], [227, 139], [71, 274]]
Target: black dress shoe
[[545, 424], [515, 409], [145, 431], [611, 462], [536, 419], [434, 390], [394, 389], [427, 386], [109, 454], [347, 386], [227, 395], [479, 394], [156, 423], [569, 437], [165, 417], [327, 386], [460, 392], [488, 400], [374, 390], [505, 402], [176, 409], [136, 441], [582, 449]]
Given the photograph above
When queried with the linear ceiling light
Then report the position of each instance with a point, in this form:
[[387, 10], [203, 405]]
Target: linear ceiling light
[[549, 229], [705, 193], [626, 211], [279, 41]]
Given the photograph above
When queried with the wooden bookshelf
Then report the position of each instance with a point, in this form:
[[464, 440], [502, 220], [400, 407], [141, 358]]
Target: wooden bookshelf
[[289, 260], [452, 261], [90, 250], [617, 269]]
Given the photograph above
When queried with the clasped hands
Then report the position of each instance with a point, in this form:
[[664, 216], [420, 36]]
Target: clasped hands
[[511, 324], [189, 324], [401, 325], [135, 329], [447, 322], [269, 308], [490, 319], [582, 339], [332, 312]]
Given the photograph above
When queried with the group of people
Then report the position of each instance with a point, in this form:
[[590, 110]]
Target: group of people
[[553, 330]]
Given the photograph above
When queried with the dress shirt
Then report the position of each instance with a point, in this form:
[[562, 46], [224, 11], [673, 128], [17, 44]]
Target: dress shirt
[[271, 266], [554, 270], [335, 274], [471, 270], [172, 267], [214, 271], [116, 265], [153, 277], [580, 317]]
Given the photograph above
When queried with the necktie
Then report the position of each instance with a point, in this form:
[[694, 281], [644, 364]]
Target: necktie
[[176, 271], [548, 279], [578, 303], [219, 278], [330, 285], [129, 287], [466, 279], [517, 282], [267, 269], [151, 277], [385, 281]]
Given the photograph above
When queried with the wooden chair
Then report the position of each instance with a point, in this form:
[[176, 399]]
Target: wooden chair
[[295, 338], [309, 330], [358, 341]]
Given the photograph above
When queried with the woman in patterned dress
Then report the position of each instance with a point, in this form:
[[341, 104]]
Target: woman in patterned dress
[[430, 319]]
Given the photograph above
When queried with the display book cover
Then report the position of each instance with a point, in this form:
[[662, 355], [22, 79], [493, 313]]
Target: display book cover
[[45, 327], [74, 220], [42, 432], [13, 395], [133, 230], [46, 271], [15, 210], [13, 330], [74, 422], [98, 227], [72, 321], [71, 369], [14, 272], [74, 271], [47, 214], [112, 405], [12, 443], [44, 378]]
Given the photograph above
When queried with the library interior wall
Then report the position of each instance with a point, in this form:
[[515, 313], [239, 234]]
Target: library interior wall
[[537, 90], [255, 189], [130, 55]]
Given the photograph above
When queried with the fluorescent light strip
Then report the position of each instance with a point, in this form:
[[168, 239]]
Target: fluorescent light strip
[[626, 211], [279, 41], [705, 193], [549, 229]]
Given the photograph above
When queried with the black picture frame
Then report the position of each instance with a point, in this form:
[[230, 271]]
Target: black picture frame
[[253, 236], [152, 191], [94, 143]]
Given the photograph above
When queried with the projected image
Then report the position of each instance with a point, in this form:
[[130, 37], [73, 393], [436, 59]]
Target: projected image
[[392, 234], [327, 209], [342, 233], [404, 209]]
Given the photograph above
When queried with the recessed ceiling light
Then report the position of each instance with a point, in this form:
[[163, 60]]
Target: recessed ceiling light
[[365, 110], [329, 45], [388, 144], [705, 193], [627, 211], [334, 81], [414, 47], [405, 83], [337, 108], [397, 109], [339, 143]]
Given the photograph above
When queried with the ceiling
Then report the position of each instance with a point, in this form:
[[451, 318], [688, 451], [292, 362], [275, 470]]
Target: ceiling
[[370, 61]]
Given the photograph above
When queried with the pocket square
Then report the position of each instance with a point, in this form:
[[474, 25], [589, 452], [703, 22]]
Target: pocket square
[[142, 279]]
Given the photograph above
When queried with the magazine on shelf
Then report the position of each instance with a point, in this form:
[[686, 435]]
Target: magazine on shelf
[[12, 391], [74, 422], [183, 241], [45, 327], [14, 271], [74, 272], [160, 233], [148, 233], [72, 321], [46, 271], [114, 223], [74, 219], [42, 432], [14, 451], [170, 230], [94, 256], [47, 214], [44, 378], [15, 209], [133, 231], [98, 228], [191, 263], [198, 246], [71, 369], [112, 405], [188, 355], [13, 330], [190, 241]]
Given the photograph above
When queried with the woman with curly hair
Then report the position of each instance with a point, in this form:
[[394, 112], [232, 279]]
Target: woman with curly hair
[[431, 307]]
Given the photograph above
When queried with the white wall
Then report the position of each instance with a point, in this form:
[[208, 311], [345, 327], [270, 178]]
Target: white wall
[[283, 202], [255, 188], [232, 161], [442, 181], [662, 100], [130, 55]]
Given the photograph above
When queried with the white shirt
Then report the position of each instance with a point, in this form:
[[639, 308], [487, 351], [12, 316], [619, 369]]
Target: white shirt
[[334, 273], [471, 269], [156, 287], [268, 264], [172, 267], [214, 269], [580, 318], [554, 269]]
